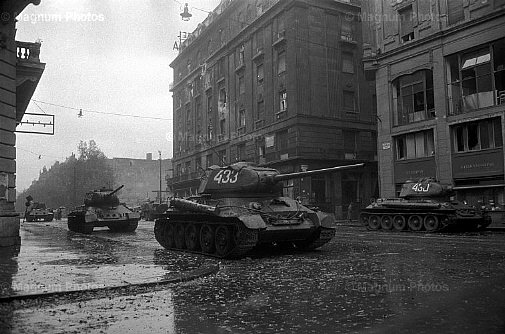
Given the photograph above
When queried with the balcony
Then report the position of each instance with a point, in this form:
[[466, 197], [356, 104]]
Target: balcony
[[29, 70]]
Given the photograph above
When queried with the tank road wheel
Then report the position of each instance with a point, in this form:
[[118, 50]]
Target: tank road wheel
[[415, 223], [386, 223], [431, 223], [223, 240], [179, 237], [207, 239], [399, 223], [164, 233], [364, 219], [374, 222], [192, 237]]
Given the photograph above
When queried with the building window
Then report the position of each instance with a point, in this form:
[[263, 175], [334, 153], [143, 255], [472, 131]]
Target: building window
[[178, 170], [241, 84], [187, 167], [261, 109], [208, 160], [476, 79], [346, 31], [415, 145], [349, 101], [282, 141], [413, 99], [222, 126], [281, 66], [220, 68], [258, 41], [241, 55], [350, 144], [347, 62], [241, 156], [283, 98], [241, 118], [455, 11], [222, 99], [406, 24], [222, 157], [478, 135], [260, 74], [209, 104]]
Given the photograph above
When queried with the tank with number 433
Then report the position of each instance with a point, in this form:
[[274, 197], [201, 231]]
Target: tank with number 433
[[423, 205], [239, 208]]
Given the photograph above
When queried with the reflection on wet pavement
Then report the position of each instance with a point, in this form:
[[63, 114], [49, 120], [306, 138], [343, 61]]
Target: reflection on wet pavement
[[66, 261]]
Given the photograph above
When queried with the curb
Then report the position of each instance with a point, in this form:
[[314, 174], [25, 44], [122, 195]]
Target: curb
[[178, 278]]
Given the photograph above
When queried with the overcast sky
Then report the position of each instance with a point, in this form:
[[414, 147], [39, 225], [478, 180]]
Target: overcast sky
[[108, 56]]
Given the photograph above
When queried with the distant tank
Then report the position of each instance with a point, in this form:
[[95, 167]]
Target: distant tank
[[37, 211], [240, 208], [423, 205], [102, 208]]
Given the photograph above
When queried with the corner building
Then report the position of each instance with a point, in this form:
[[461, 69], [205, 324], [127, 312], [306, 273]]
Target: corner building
[[280, 84], [440, 76]]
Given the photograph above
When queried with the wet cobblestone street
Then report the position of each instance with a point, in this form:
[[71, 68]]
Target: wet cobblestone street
[[362, 282]]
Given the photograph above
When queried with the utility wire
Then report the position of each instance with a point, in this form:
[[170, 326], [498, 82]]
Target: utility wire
[[101, 112], [38, 154]]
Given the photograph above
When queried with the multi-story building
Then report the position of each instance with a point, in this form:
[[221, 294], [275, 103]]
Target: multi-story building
[[440, 76], [280, 84], [142, 178], [20, 72]]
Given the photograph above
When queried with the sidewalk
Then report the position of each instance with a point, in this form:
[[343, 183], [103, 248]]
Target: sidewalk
[[52, 261]]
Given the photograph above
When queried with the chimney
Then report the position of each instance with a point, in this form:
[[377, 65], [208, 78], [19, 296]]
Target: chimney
[[149, 156]]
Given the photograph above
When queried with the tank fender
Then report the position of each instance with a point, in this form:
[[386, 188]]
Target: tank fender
[[326, 219], [253, 221]]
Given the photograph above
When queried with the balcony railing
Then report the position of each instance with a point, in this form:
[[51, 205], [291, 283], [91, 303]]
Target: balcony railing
[[476, 101], [28, 52]]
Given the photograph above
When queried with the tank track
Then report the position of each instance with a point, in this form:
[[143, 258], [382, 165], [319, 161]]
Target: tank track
[[77, 223], [418, 222], [225, 238], [324, 235]]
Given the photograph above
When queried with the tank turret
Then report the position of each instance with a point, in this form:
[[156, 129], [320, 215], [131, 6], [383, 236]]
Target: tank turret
[[240, 178], [102, 198], [425, 188]]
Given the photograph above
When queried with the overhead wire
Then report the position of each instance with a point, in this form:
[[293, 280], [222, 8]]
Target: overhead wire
[[101, 112]]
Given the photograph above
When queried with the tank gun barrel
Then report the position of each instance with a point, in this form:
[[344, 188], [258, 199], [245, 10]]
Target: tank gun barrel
[[115, 190], [282, 177]]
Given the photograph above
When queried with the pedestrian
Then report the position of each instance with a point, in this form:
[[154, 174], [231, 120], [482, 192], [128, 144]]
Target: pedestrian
[[350, 212]]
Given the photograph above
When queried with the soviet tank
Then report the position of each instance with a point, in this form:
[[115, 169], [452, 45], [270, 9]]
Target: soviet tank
[[423, 205], [239, 208], [102, 208], [37, 211]]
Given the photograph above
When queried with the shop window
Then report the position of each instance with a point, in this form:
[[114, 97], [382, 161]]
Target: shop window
[[413, 99], [478, 135], [415, 145], [476, 79]]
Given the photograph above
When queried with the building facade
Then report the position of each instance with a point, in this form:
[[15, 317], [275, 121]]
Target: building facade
[[20, 72], [280, 84], [142, 178], [440, 75]]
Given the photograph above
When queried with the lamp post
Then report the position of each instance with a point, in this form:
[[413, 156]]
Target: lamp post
[[159, 152]]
